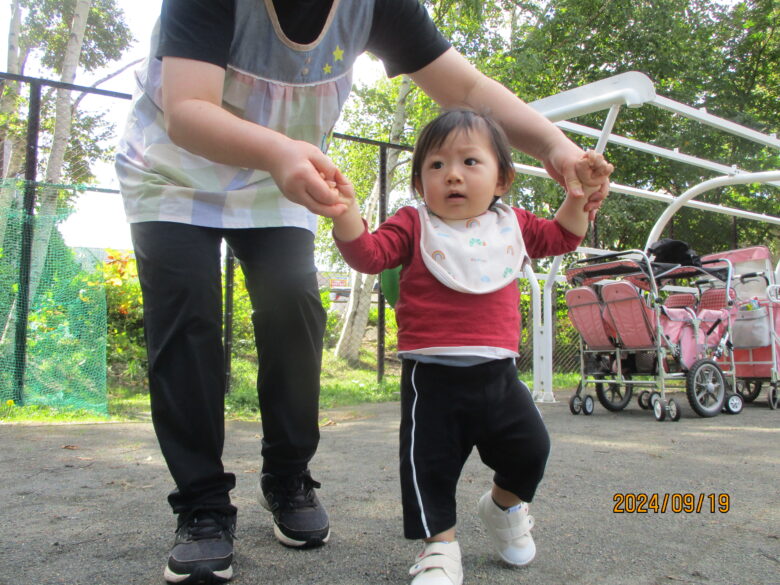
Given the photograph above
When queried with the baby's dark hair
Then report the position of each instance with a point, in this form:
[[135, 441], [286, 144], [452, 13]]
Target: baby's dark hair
[[437, 130]]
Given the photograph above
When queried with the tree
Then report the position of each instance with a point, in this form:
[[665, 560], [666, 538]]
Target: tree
[[690, 49], [40, 30], [63, 36]]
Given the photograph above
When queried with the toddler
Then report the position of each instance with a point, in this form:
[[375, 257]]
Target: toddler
[[461, 252]]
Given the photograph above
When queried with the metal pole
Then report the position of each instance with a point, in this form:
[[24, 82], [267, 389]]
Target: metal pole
[[228, 316], [25, 255], [380, 338]]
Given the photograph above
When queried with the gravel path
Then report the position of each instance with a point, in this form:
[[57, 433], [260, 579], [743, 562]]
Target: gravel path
[[85, 504]]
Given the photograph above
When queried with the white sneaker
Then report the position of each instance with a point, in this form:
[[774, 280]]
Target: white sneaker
[[510, 530], [438, 564]]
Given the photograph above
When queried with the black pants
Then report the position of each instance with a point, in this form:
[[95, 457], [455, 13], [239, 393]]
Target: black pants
[[445, 412], [179, 268]]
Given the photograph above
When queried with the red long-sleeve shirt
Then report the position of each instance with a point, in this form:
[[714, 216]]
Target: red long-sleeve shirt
[[430, 314]]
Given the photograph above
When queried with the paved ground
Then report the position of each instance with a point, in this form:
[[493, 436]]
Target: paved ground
[[85, 504]]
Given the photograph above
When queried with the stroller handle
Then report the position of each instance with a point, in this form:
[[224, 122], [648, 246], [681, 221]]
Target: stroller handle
[[748, 275]]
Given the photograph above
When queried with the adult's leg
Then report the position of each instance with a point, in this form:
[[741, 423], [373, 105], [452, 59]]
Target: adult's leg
[[289, 323], [179, 271]]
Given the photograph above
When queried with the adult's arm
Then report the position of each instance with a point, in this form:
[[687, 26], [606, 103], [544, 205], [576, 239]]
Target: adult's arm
[[196, 121], [453, 82]]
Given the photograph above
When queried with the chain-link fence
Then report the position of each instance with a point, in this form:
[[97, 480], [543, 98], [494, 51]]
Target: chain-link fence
[[53, 311]]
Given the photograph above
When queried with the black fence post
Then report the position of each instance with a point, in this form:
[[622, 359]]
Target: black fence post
[[380, 337], [25, 255]]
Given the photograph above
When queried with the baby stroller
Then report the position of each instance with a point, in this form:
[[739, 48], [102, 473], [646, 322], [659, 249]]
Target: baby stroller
[[640, 329], [756, 326]]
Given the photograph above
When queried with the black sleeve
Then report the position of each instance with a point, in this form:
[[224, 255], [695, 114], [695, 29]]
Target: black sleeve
[[197, 29], [404, 37]]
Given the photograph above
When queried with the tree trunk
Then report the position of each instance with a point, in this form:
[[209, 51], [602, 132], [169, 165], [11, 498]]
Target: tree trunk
[[10, 91], [48, 196], [362, 285]]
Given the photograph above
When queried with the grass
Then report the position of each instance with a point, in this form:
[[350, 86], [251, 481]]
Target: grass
[[47, 414], [562, 382], [341, 385]]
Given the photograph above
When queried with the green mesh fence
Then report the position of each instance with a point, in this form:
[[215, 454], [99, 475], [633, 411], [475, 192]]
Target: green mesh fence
[[59, 358]]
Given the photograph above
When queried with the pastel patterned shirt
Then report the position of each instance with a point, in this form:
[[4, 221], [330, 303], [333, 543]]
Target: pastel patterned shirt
[[295, 89]]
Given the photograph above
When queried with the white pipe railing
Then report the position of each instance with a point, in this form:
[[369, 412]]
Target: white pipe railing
[[678, 202], [536, 327]]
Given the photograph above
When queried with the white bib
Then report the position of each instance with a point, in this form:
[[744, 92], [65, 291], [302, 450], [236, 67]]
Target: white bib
[[477, 255]]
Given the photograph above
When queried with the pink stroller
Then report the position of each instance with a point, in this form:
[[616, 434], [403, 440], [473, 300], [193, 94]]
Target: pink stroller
[[635, 338], [756, 325]]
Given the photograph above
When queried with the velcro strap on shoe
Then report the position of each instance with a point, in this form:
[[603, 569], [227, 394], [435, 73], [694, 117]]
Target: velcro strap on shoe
[[518, 530], [439, 555]]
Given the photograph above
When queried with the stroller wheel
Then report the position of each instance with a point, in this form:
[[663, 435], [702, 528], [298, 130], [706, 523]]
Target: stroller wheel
[[674, 410], [644, 400], [575, 404], [733, 403], [749, 390], [773, 397], [588, 405], [612, 395], [659, 407], [705, 387]]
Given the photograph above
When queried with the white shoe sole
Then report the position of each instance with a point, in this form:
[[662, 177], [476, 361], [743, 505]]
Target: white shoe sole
[[287, 541], [171, 577], [522, 563], [434, 577]]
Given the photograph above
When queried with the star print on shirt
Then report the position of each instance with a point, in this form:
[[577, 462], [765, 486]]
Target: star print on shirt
[[338, 54], [327, 68]]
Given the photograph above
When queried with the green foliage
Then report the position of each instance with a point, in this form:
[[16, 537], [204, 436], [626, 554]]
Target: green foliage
[[343, 385], [44, 34], [333, 323], [126, 351], [391, 327], [46, 29], [88, 136], [697, 52], [46, 414]]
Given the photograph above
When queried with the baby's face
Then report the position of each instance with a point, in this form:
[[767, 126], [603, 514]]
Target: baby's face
[[460, 179]]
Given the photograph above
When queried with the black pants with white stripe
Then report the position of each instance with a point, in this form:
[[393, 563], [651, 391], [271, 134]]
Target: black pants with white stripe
[[446, 411], [179, 269]]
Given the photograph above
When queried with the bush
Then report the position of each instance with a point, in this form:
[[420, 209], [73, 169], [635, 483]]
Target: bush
[[391, 327], [125, 347], [333, 323]]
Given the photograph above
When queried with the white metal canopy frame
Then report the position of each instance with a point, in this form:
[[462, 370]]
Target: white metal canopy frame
[[633, 90]]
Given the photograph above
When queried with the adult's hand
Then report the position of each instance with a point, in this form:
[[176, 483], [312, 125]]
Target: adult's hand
[[305, 175]]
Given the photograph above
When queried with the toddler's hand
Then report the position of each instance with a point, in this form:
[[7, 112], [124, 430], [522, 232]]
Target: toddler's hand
[[593, 171], [342, 188]]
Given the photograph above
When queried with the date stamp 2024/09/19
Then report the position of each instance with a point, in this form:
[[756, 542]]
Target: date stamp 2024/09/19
[[676, 503]]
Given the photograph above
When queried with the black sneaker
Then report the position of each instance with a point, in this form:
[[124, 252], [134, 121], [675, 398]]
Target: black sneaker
[[300, 520], [202, 553]]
